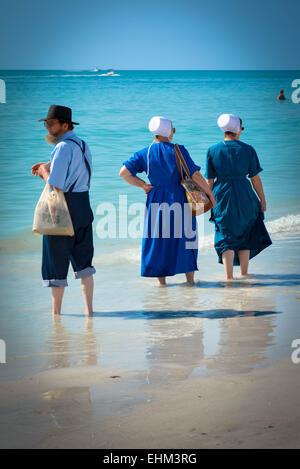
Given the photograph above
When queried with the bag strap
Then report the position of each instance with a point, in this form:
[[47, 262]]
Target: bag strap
[[178, 164], [85, 161], [181, 162]]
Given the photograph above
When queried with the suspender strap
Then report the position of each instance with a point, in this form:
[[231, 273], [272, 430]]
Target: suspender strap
[[181, 162], [85, 161]]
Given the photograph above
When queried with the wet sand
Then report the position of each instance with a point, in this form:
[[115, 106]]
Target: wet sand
[[105, 408], [176, 367]]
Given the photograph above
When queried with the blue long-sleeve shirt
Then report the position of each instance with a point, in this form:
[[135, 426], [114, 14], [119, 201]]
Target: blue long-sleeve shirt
[[67, 164]]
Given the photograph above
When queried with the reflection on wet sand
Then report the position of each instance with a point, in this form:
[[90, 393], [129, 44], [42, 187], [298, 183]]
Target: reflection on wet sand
[[245, 339], [67, 348], [241, 336], [175, 338], [184, 332], [176, 334], [70, 406]]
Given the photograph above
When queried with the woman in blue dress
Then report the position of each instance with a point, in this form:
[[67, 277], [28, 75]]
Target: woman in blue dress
[[170, 239], [240, 232]]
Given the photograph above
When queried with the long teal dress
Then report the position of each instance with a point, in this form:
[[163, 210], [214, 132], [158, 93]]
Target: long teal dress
[[237, 215], [166, 253]]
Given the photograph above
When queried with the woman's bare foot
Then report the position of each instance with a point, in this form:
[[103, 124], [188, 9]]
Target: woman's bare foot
[[161, 281], [248, 275], [190, 278]]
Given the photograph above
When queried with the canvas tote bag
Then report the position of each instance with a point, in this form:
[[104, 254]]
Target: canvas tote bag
[[51, 215]]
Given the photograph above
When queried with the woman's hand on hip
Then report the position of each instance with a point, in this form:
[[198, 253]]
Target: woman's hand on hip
[[147, 188]]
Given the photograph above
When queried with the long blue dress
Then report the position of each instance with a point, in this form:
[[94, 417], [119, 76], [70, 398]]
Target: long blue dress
[[166, 253], [237, 215]]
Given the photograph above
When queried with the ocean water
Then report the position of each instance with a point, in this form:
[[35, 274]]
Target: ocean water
[[113, 113]]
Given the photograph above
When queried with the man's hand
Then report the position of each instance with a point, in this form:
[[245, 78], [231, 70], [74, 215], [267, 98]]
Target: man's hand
[[54, 188], [42, 169], [35, 168]]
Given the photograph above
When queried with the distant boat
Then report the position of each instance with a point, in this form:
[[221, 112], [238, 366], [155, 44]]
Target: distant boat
[[110, 73], [96, 69]]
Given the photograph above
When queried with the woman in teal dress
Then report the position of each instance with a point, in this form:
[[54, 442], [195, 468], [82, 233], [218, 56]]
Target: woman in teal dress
[[240, 232], [169, 244]]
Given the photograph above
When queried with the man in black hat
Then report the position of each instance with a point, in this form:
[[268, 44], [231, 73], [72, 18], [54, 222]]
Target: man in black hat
[[69, 170]]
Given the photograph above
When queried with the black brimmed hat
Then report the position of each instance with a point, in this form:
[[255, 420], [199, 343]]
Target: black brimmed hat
[[62, 113]]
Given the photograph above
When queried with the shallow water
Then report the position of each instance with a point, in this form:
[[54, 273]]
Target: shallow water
[[176, 331], [138, 326]]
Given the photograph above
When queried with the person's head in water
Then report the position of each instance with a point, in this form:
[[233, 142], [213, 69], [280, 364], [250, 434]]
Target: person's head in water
[[281, 95], [162, 129], [231, 126], [58, 122]]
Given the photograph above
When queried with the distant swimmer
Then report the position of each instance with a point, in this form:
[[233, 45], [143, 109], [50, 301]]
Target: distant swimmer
[[281, 96]]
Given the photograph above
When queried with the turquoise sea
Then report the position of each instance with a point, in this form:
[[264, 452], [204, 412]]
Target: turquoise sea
[[113, 113]]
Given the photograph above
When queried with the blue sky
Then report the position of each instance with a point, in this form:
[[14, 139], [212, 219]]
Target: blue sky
[[131, 34]]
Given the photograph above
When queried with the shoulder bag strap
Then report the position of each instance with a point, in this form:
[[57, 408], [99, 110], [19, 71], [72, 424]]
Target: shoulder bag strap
[[178, 163], [181, 161]]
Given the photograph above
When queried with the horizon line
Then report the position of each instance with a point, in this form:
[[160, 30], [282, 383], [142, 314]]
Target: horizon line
[[154, 69]]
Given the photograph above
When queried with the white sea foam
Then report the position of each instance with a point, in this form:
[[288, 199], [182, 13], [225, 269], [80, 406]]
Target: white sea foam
[[280, 227], [107, 75], [284, 225], [79, 75], [131, 255], [90, 75], [74, 75]]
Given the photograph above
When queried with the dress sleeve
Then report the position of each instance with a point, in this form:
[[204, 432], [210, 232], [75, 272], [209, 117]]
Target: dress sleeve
[[135, 164], [254, 165], [189, 162], [210, 170], [59, 165]]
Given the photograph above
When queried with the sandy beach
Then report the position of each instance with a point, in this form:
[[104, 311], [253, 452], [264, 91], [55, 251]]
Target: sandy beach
[[176, 367], [106, 408], [213, 365]]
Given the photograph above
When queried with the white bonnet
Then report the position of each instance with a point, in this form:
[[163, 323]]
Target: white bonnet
[[161, 126], [229, 123]]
